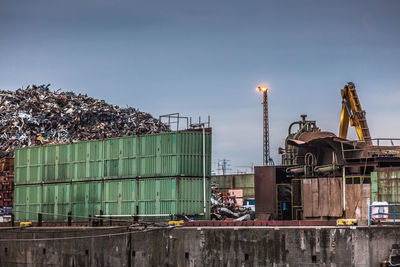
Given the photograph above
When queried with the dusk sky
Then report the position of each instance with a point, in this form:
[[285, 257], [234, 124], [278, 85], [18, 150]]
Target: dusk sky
[[203, 58]]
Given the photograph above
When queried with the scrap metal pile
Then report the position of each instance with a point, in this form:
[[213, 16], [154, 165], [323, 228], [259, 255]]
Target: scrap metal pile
[[36, 115], [225, 207]]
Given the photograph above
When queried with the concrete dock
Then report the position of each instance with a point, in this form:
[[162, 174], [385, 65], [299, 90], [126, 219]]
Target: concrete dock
[[192, 246]]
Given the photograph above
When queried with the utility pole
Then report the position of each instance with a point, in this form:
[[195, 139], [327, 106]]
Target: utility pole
[[223, 165], [266, 155]]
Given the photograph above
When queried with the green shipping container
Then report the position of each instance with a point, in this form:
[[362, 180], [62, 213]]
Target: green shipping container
[[385, 185], [86, 199], [155, 155], [55, 200], [173, 196], [145, 196], [27, 202], [120, 197]]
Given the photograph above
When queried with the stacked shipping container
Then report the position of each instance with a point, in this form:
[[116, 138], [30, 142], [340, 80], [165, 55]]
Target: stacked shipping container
[[136, 175]]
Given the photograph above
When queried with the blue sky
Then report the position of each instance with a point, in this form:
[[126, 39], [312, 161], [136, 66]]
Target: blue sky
[[206, 57]]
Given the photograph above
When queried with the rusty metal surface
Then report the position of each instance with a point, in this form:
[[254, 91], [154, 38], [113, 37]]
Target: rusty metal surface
[[7, 165], [264, 182], [308, 136], [6, 182]]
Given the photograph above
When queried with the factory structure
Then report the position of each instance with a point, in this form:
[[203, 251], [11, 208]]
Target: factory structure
[[325, 176]]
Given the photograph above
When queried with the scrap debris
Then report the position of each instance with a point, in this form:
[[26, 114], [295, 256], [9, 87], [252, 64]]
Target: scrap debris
[[36, 115], [6, 184], [225, 207]]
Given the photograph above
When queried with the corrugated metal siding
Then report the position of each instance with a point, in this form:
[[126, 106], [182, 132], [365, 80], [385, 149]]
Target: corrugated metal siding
[[20, 202], [120, 197], [156, 155], [28, 202], [191, 195], [385, 185], [172, 195], [158, 196], [129, 197], [63, 198], [49, 202]]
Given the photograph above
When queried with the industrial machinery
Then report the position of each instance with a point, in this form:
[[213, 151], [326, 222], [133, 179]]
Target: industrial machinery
[[303, 153], [325, 176], [353, 113], [310, 152]]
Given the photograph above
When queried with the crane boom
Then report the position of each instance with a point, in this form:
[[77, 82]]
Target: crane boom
[[353, 113]]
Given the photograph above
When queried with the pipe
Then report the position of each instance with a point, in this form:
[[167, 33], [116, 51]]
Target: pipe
[[344, 189], [292, 124], [328, 168], [295, 170], [302, 125], [204, 171]]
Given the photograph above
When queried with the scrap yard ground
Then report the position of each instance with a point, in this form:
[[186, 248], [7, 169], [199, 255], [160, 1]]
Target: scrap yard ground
[[197, 246]]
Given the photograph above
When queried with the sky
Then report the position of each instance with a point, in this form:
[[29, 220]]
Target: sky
[[203, 58]]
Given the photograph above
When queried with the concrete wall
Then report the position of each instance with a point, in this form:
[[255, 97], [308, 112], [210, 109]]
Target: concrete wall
[[240, 246]]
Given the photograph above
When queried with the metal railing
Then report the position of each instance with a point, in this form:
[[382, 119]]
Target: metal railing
[[379, 146], [392, 141], [173, 120], [383, 213]]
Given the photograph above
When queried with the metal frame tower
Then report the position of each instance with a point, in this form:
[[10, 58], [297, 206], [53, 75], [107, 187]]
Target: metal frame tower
[[266, 154]]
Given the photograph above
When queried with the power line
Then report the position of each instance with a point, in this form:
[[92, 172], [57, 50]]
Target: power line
[[223, 166]]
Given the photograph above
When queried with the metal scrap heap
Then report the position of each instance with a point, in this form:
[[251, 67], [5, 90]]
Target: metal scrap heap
[[36, 115], [225, 207]]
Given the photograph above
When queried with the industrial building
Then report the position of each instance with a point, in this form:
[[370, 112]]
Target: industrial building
[[327, 177]]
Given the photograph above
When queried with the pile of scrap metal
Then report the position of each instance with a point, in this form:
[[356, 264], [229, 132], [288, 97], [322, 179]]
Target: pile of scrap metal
[[37, 115], [225, 207]]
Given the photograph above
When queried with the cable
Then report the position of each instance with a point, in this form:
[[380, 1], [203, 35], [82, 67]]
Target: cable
[[64, 238], [74, 216], [83, 237]]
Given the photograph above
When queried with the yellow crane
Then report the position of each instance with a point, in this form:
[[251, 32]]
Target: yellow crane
[[353, 113]]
